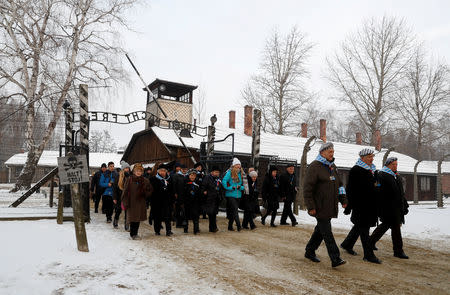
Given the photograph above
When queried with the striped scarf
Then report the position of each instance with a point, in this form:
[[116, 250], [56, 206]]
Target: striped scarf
[[327, 163], [388, 171], [324, 161], [361, 164]]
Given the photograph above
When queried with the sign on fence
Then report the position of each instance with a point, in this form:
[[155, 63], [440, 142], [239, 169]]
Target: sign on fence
[[73, 169]]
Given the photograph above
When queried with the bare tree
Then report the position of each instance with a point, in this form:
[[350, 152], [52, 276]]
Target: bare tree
[[424, 100], [102, 142], [200, 106], [277, 90], [368, 67], [49, 47]]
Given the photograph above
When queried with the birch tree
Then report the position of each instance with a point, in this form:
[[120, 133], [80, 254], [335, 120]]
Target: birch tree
[[49, 47], [278, 88], [368, 66]]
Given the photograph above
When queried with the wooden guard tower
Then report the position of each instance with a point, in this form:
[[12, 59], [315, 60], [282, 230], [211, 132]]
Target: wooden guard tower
[[174, 98]]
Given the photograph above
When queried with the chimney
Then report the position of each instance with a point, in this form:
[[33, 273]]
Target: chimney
[[248, 120], [323, 130], [358, 138], [304, 130], [377, 140], [232, 119]]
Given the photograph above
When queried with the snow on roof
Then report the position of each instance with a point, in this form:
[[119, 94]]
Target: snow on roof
[[290, 147], [49, 159]]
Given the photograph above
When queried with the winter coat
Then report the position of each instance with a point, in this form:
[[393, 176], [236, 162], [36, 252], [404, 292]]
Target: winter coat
[[136, 191], [105, 179], [271, 192], [361, 194], [95, 183], [162, 198], [250, 201], [212, 186], [233, 189], [178, 184], [288, 184], [119, 185], [192, 200], [321, 190], [392, 202]]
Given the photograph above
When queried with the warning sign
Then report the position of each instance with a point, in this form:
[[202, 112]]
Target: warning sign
[[73, 169]]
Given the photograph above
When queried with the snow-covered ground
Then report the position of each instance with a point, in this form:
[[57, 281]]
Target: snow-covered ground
[[41, 257]]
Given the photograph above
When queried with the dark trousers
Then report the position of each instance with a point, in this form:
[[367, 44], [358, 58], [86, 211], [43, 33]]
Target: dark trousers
[[233, 204], [212, 222], [396, 235], [134, 227], [107, 206], [158, 219], [274, 215], [196, 225], [322, 231], [248, 219], [359, 231], [179, 215], [96, 201], [287, 212], [117, 211]]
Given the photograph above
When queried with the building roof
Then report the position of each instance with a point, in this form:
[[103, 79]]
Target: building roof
[[290, 147], [172, 89], [49, 159]]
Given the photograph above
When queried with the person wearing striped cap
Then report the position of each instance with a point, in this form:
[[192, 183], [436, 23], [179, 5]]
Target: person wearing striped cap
[[393, 207], [322, 192], [361, 194]]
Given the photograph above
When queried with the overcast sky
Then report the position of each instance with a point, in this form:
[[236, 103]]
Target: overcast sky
[[217, 45]]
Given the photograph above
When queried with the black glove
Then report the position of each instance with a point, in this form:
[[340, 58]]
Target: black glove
[[405, 211]]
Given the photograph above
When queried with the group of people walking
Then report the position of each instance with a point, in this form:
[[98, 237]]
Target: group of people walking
[[183, 195], [368, 195]]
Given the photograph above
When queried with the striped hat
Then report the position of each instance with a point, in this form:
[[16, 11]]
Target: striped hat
[[326, 146], [390, 160], [366, 151]]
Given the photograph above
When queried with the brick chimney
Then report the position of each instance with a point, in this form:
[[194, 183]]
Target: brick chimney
[[323, 130], [377, 140], [358, 138], [304, 130], [232, 119], [248, 120]]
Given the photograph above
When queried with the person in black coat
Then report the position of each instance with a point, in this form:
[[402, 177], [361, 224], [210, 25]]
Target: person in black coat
[[179, 179], [361, 194], [191, 201], [288, 185], [271, 195], [211, 188], [199, 180], [392, 207], [161, 200], [249, 202], [96, 189]]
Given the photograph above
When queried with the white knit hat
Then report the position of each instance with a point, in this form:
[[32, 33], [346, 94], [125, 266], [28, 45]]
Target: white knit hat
[[236, 162]]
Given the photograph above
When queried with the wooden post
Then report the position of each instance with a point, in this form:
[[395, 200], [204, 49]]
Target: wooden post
[[52, 180], [77, 206], [59, 216], [386, 155], [440, 200], [69, 147], [256, 138], [84, 140], [303, 167], [416, 183]]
